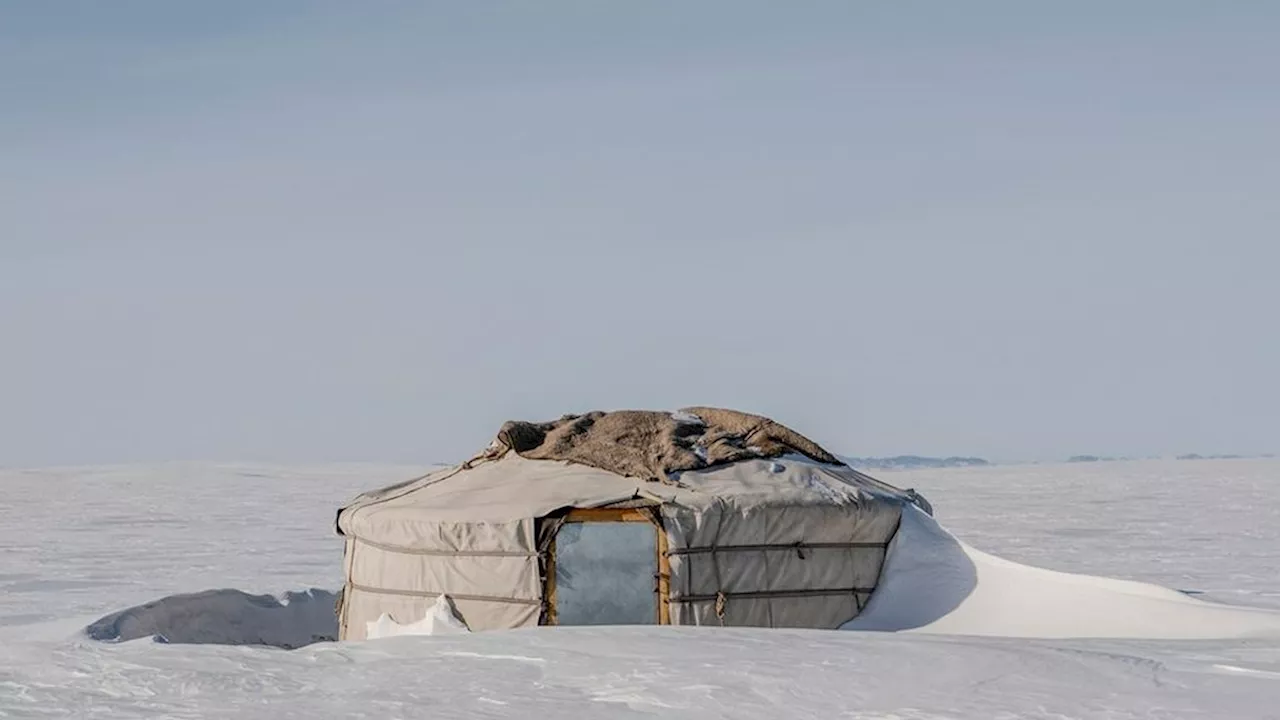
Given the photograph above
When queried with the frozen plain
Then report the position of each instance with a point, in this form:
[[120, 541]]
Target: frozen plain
[[80, 543]]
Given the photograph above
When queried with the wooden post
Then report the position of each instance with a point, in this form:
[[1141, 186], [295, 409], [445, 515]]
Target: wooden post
[[664, 574], [549, 591]]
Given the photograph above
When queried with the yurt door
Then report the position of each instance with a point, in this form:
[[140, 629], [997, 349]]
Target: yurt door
[[605, 565]]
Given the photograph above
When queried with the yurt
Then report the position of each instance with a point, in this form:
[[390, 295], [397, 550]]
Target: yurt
[[703, 516]]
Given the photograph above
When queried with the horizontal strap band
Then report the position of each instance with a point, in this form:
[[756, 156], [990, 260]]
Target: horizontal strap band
[[442, 553], [765, 595], [453, 596], [792, 547]]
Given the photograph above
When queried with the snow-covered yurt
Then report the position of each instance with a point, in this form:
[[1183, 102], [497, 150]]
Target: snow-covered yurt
[[704, 516]]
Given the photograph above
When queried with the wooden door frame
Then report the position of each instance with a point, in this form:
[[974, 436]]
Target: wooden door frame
[[647, 514]]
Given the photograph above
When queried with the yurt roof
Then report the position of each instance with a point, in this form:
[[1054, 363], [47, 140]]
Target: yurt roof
[[694, 458]]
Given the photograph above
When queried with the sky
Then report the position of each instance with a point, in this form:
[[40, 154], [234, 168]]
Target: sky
[[272, 231]]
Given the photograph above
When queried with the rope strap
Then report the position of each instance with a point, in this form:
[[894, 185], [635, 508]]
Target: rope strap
[[402, 550], [798, 547], [455, 596], [721, 598]]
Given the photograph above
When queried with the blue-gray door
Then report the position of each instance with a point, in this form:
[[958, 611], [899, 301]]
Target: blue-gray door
[[605, 574]]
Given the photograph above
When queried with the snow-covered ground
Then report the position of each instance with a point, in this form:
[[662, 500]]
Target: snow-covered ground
[[79, 545]]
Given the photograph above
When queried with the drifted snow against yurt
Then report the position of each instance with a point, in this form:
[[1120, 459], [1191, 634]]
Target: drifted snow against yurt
[[701, 517]]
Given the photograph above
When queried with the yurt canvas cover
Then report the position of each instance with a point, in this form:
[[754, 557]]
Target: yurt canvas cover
[[702, 517]]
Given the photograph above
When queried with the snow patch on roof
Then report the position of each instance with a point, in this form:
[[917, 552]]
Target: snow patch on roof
[[686, 418]]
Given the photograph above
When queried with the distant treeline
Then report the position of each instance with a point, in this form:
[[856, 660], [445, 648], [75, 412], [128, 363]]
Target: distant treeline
[[1191, 456], [916, 462], [909, 462]]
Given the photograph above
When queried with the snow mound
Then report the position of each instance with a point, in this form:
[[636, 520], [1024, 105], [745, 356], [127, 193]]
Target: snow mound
[[441, 619], [226, 617], [934, 583]]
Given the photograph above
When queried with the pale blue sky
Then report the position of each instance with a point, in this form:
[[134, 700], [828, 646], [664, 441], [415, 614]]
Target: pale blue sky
[[297, 231]]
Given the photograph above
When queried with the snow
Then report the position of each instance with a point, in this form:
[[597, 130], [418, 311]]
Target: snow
[[686, 418], [82, 543], [441, 619], [1211, 527]]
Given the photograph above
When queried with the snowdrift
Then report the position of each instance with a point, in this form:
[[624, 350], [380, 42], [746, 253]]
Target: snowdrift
[[234, 617], [441, 619], [934, 583], [226, 617]]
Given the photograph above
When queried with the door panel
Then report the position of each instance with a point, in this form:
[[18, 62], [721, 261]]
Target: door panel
[[605, 573]]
